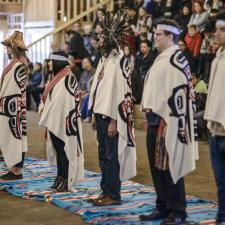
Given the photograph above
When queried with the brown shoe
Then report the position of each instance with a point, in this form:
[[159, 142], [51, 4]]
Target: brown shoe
[[106, 202], [100, 197]]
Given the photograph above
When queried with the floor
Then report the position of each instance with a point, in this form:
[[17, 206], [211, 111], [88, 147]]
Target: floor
[[17, 211]]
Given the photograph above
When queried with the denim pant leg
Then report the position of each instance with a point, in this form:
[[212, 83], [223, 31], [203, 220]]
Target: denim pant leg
[[108, 159], [217, 150], [84, 107], [176, 198], [101, 152], [112, 168]]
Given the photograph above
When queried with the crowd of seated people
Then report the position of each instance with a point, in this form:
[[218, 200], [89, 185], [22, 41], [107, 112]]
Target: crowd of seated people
[[195, 18]]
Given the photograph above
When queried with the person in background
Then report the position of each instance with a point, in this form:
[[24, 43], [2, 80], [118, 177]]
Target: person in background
[[75, 69], [34, 84], [130, 57], [86, 76], [204, 50], [199, 16], [187, 54], [100, 15], [132, 17], [85, 83], [143, 62], [193, 40], [183, 19], [38, 91], [144, 19], [87, 37], [200, 89]]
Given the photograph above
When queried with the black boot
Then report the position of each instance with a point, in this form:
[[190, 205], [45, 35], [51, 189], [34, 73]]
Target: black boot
[[63, 186], [56, 183], [11, 176]]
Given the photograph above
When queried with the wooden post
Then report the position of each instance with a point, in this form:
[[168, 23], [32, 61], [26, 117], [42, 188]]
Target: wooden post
[[62, 9], [69, 17], [111, 5], [88, 5], [74, 8]]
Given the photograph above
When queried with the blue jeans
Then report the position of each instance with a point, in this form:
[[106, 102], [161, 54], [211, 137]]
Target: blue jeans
[[108, 159], [85, 112], [217, 149]]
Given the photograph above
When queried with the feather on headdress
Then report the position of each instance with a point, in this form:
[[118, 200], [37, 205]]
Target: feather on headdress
[[115, 28]]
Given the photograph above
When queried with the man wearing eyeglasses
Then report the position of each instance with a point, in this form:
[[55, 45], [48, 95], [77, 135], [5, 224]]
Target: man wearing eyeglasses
[[171, 144]]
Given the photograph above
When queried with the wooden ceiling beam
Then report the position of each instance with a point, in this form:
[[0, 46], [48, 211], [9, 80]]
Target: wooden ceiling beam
[[10, 8]]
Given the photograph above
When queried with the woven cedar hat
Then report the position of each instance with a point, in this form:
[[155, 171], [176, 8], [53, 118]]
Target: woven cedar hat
[[15, 40]]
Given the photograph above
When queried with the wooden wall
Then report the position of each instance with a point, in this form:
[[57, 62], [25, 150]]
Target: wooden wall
[[40, 10]]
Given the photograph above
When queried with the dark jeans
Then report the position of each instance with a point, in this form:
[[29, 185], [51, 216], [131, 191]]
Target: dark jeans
[[170, 197], [217, 150], [108, 159], [61, 158], [35, 92], [85, 112], [20, 164]]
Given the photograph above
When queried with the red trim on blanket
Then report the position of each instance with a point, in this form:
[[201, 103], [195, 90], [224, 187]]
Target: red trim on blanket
[[66, 71]]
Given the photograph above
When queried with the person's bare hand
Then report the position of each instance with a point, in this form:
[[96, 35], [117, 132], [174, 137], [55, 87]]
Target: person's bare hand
[[112, 128], [93, 122]]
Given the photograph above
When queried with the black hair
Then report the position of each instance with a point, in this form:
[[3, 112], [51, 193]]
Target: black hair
[[187, 6], [102, 10], [214, 11], [31, 66], [57, 64], [132, 8], [170, 23], [147, 42], [195, 74], [69, 32], [220, 16], [183, 40], [40, 66], [89, 60]]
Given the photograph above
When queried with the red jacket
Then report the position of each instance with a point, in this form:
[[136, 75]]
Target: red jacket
[[194, 43]]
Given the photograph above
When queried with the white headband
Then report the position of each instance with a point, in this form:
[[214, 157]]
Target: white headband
[[58, 57], [220, 23], [169, 28]]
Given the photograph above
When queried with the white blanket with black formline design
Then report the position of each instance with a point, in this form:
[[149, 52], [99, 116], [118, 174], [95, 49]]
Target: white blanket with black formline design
[[168, 92], [13, 135], [61, 116], [215, 107], [114, 99]]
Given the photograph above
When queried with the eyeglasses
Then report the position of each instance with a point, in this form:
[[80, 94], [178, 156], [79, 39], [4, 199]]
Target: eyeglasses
[[158, 34]]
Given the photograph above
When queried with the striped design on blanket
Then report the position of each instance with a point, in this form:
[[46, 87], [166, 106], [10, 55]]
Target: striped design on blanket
[[136, 198]]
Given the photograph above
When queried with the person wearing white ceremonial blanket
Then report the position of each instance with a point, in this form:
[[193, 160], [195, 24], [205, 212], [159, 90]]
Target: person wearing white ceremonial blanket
[[215, 116], [60, 114], [171, 144], [111, 103], [13, 135]]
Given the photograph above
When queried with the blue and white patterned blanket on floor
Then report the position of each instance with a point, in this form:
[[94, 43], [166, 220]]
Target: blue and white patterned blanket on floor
[[136, 198]]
